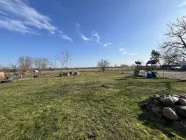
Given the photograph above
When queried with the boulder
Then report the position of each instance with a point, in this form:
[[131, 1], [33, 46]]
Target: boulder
[[175, 99], [181, 110], [176, 96], [155, 96], [167, 101], [182, 101], [169, 113], [183, 96]]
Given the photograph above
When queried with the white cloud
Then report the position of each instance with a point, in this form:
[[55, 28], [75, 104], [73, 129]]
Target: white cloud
[[60, 32], [3, 13], [124, 52], [78, 25], [16, 25], [85, 38], [25, 19], [106, 44], [122, 49], [66, 37], [182, 4], [132, 54], [81, 34], [96, 35]]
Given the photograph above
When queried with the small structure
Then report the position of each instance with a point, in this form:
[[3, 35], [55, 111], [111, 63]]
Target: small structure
[[137, 68], [4, 78], [71, 73], [64, 74], [151, 71], [36, 74], [76, 73]]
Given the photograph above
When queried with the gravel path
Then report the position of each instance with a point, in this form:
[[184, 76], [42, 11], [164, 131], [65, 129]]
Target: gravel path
[[173, 74]]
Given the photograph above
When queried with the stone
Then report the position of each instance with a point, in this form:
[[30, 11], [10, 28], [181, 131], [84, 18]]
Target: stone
[[169, 113], [181, 110], [183, 96], [182, 101], [167, 101], [155, 96], [156, 111], [176, 96], [64, 74], [175, 99]]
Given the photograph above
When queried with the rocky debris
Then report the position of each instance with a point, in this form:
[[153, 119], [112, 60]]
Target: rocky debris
[[167, 101], [175, 99], [167, 108], [157, 111], [181, 110], [169, 113], [183, 96], [182, 101]]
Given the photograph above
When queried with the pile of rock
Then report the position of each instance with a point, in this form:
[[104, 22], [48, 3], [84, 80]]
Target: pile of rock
[[166, 106]]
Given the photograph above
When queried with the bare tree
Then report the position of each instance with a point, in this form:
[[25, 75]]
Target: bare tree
[[25, 64], [44, 64], [36, 63], [14, 68], [63, 60], [103, 64], [171, 57], [41, 63], [176, 37], [52, 63]]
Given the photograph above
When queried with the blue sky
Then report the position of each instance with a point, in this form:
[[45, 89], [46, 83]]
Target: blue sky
[[117, 30]]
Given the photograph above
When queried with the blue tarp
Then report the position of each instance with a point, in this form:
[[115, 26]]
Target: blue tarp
[[151, 62], [138, 63]]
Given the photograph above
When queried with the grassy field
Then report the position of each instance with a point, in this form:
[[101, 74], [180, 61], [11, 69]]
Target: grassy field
[[39, 109]]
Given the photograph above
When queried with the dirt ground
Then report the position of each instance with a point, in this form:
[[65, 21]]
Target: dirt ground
[[173, 74]]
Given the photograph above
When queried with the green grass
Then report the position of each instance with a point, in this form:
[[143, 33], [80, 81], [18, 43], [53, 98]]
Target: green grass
[[39, 109]]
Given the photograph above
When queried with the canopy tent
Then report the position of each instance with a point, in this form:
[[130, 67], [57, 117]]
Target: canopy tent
[[151, 62], [137, 63]]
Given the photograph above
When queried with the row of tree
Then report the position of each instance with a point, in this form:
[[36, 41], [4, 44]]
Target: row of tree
[[27, 63], [173, 48]]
